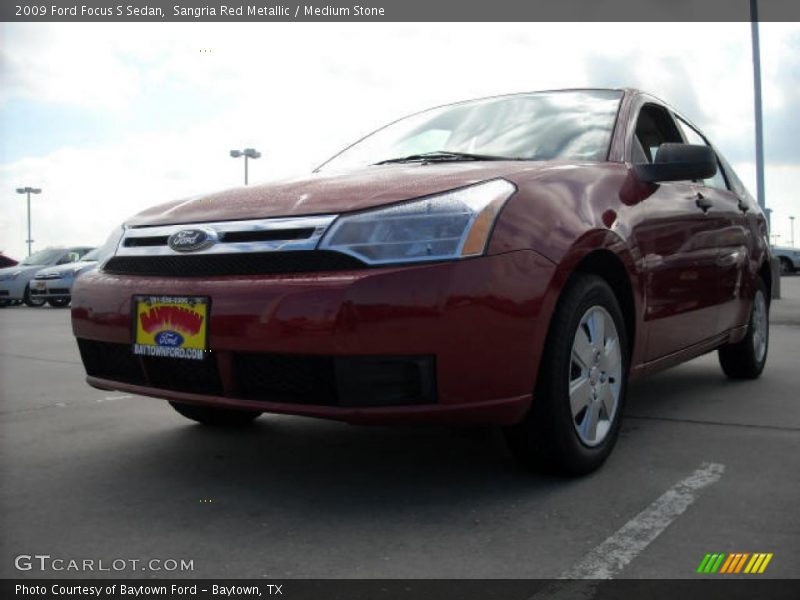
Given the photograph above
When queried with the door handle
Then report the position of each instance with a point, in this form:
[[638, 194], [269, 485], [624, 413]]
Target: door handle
[[703, 202]]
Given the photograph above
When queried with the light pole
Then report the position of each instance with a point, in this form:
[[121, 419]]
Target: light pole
[[760, 196], [29, 191], [791, 226], [247, 153]]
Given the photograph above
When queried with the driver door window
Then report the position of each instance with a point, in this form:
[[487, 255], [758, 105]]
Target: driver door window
[[653, 128], [693, 137]]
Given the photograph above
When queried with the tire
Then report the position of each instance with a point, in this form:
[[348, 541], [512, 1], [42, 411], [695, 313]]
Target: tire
[[58, 302], [29, 300], [553, 437], [786, 266], [746, 359], [215, 417]]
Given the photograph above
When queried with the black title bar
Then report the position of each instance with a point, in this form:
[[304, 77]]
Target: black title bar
[[395, 10], [731, 588]]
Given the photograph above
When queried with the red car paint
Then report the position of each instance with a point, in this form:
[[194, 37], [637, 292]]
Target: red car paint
[[6, 261], [685, 280]]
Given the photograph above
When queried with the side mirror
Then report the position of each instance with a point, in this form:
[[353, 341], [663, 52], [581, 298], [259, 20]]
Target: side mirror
[[678, 162]]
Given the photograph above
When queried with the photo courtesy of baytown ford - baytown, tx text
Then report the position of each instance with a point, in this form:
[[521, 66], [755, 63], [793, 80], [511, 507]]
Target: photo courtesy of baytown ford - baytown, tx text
[[409, 300]]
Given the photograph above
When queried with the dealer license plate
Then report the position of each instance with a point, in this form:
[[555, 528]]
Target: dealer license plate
[[171, 326]]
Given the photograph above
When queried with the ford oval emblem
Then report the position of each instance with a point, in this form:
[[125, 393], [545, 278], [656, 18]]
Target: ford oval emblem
[[192, 240], [169, 338]]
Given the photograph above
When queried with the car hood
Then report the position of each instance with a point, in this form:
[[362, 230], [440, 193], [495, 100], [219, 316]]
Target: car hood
[[332, 193], [69, 267], [21, 269]]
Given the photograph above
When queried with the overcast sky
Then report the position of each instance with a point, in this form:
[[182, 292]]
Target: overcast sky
[[110, 119]]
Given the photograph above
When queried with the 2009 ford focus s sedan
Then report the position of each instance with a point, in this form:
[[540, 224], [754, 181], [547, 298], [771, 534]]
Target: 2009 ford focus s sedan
[[511, 261]]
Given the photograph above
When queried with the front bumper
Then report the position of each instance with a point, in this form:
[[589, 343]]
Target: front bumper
[[13, 289], [478, 325], [51, 288]]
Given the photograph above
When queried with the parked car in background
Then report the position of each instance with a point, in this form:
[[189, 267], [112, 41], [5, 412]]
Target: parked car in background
[[15, 281], [510, 261], [789, 257], [54, 284], [6, 261]]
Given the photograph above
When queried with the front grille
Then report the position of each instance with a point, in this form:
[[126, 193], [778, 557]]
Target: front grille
[[299, 379], [195, 376], [356, 381], [228, 237], [258, 263], [118, 363], [111, 361], [64, 291], [144, 242]]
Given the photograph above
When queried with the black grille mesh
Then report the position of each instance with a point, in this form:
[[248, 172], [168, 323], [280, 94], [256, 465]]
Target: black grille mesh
[[300, 379], [257, 263], [287, 378], [111, 361], [118, 363]]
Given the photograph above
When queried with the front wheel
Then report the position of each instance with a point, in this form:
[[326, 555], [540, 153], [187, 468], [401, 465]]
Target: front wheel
[[58, 302], [213, 416], [30, 300], [574, 418], [746, 359]]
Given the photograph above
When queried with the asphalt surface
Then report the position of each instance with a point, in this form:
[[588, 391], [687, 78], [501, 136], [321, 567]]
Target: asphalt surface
[[100, 475]]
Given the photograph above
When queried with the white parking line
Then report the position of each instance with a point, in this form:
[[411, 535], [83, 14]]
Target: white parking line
[[609, 558], [112, 398]]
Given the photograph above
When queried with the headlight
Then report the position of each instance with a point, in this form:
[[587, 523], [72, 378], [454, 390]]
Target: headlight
[[10, 276], [454, 224], [109, 248]]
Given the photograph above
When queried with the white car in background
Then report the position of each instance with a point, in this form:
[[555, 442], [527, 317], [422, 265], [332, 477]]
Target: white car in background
[[54, 284], [789, 257], [15, 281]]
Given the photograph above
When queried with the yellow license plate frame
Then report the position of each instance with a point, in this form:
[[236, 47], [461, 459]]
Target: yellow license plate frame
[[171, 326]]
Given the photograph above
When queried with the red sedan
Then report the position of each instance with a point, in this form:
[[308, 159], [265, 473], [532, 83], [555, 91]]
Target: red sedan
[[511, 260]]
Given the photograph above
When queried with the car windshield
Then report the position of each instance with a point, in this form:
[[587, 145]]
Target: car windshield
[[572, 125], [91, 256], [48, 256]]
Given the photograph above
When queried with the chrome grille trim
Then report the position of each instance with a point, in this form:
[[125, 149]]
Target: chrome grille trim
[[318, 224]]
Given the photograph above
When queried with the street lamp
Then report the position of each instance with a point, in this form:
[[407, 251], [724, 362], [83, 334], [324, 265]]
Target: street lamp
[[791, 225], [29, 191], [247, 153]]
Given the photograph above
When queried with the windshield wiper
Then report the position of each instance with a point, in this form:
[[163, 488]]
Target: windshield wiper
[[443, 156]]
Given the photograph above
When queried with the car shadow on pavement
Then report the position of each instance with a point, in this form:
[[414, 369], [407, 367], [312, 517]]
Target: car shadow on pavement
[[676, 391], [303, 466]]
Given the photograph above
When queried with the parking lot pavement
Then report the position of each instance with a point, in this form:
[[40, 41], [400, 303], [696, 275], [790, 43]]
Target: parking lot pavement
[[103, 475]]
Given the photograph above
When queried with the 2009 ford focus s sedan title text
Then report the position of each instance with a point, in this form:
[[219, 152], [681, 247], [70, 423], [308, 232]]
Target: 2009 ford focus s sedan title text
[[510, 261]]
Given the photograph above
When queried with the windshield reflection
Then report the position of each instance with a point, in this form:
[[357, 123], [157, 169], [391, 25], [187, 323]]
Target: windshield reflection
[[43, 257], [571, 125]]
